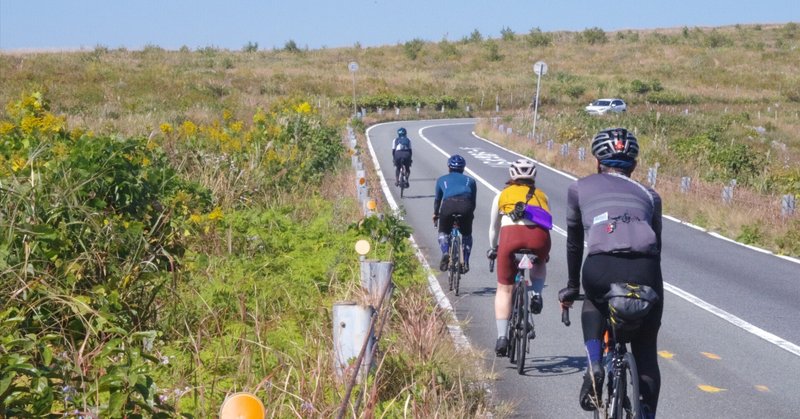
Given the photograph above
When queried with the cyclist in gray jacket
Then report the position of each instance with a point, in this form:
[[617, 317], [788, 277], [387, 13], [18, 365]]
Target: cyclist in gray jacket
[[620, 220]]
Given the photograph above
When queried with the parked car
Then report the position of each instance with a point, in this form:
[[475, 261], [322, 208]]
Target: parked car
[[603, 106]]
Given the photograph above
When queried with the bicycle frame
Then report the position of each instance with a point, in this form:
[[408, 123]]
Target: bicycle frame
[[621, 367]]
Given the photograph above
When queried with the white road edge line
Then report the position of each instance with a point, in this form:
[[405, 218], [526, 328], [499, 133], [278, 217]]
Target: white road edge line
[[444, 302]]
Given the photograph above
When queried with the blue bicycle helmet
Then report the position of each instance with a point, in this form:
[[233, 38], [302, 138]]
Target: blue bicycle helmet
[[456, 162], [401, 132]]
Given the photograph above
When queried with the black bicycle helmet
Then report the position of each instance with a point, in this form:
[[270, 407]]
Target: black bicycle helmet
[[401, 132], [615, 143], [456, 162]]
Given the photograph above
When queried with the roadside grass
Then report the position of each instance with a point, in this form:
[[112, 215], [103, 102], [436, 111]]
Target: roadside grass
[[156, 275]]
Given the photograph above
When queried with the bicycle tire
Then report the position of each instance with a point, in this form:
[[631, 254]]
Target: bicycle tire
[[523, 328], [631, 389], [511, 330], [459, 251], [403, 181], [452, 268]]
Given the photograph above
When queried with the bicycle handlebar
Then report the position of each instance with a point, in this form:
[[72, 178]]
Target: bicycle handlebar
[[565, 311]]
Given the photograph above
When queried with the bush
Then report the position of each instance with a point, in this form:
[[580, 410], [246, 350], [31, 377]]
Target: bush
[[537, 38], [291, 46], [492, 51], [507, 34], [593, 36], [413, 48]]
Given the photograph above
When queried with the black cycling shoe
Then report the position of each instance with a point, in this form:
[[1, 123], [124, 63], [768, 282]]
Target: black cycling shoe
[[501, 347], [587, 399], [536, 303], [396, 183], [444, 263], [465, 268]]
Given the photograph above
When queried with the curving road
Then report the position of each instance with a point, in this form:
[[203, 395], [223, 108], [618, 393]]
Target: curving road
[[729, 339]]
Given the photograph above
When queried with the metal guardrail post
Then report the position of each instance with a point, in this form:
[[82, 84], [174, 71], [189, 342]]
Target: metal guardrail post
[[351, 329], [374, 277]]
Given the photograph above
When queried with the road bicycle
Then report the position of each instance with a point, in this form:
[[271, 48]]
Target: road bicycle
[[520, 325], [403, 180], [622, 398], [456, 265]]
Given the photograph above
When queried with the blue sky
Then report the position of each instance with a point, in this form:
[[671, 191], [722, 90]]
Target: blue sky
[[231, 24]]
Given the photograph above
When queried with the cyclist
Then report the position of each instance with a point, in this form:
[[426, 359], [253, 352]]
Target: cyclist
[[455, 194], [509, 231], [620, 219], [401, 154]]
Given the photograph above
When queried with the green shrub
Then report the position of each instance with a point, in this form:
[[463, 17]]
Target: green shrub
[[507, 34], [413, 48], [492, 51], [537, 38], [592, 36]]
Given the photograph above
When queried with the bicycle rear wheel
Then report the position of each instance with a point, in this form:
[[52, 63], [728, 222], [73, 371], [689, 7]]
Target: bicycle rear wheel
[[627, 398], [511, 331], [523, 326], [452, 269], [459, 252], [403, 181]]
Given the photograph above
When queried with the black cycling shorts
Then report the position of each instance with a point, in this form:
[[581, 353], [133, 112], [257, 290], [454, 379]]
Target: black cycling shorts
[[451, 206]]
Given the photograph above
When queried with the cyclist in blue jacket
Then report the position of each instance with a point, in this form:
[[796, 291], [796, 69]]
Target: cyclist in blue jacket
[[401, 154], [455, 194]]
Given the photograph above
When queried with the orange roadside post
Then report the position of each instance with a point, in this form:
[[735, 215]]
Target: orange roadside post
[[242, 406]]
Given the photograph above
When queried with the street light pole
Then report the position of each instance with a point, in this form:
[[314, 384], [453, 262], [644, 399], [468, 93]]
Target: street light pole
[[539, 68]]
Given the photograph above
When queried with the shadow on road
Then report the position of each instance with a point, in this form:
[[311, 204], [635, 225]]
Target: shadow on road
[[484, 291], [552, 366], [419, 196]]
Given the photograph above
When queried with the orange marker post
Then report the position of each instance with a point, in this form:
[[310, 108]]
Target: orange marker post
[[242, 406]]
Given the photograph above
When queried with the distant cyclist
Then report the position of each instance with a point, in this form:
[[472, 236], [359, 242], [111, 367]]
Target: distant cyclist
[[401, 154], [620, 220], [455, 194], [513, 227]]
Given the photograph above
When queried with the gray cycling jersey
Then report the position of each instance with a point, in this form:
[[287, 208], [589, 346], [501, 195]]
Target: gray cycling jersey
[[614, 214]]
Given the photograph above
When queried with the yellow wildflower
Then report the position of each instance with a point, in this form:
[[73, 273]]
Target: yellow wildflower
[[227, 115], [145, 162], [6, 127], [188, 129], [259, 117], [29, 123], [51, 123], [18, 163], [60, 150], [196, 218], [216, 214], [76, 133], [303, 108], [236, 126], [166, 128]]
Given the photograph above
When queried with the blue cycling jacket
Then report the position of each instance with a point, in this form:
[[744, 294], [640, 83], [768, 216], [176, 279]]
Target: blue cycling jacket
[[454, 185]]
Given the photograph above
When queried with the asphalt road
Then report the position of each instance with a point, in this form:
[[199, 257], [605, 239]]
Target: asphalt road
[[729, 337]]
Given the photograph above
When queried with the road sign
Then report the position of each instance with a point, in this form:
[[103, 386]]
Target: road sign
[[242, 406], [540, 68], [353, 66]]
